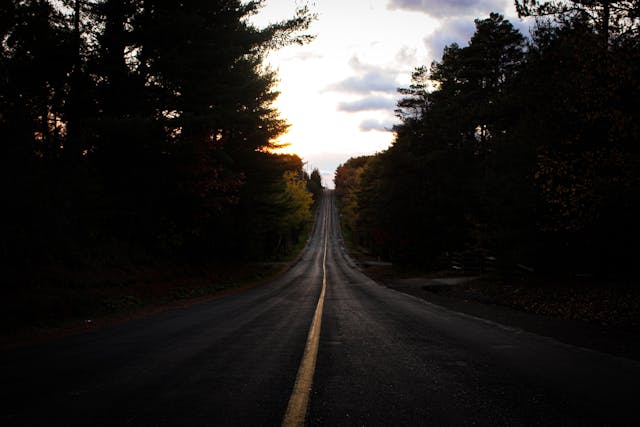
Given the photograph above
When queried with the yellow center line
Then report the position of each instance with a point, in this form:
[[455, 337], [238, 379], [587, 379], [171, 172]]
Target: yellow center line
[[299, 401]]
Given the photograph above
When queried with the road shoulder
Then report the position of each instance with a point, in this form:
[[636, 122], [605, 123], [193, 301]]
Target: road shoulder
[[611, 339]]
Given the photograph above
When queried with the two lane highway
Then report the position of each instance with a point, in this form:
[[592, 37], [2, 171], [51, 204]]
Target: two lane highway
[[377, 357]]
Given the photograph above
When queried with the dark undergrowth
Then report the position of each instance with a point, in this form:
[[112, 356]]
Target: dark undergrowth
[[61, 299], [587, 299]]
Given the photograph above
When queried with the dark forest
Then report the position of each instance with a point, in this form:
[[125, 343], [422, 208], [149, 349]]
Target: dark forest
[[136, 130], [522, 151], [137, 149]]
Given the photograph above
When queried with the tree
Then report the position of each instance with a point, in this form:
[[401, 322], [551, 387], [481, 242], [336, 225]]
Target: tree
[[347, 182], [274, 205], [580, 121], [437, 174], [612, 20], [299, 201], [34, 64], [525, 151], [34, 48], [216, 97], [119, 136], [472, 82], [314, 185]]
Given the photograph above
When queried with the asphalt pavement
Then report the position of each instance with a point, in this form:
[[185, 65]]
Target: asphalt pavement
[[383, 358]]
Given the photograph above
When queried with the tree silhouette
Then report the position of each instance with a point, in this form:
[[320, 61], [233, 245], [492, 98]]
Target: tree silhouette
[[134, 130], [522, 150]]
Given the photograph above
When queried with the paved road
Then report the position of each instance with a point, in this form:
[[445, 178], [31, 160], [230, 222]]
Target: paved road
[[383, 358]]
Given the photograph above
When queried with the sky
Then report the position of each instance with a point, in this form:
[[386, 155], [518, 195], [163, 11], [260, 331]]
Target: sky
[[339, 92]]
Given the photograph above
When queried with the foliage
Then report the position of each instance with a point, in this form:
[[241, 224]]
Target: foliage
[[299, 201], [347, 181], [117, 135], [523, 150], [314, 185], [612, 20]]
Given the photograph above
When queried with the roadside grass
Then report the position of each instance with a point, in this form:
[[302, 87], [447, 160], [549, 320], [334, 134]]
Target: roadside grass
[[65, 301]]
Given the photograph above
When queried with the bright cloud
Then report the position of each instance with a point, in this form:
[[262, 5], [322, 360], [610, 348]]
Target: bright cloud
[[304, 55], [339, 92], [407, 56], [376, 125]]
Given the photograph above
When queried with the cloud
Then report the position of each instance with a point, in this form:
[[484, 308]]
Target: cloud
[[369, 82], [448, 8], [407, 56], [376, 125], [369, 79], [304, 55], [359, 66], [457, 30], [372, 103]]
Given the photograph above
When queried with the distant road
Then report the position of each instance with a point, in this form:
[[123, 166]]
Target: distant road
[[373, 357]]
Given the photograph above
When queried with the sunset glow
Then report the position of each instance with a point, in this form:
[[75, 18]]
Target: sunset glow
[[339, 92]]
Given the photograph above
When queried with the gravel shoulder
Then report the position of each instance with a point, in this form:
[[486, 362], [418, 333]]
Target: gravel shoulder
[[587, 316]]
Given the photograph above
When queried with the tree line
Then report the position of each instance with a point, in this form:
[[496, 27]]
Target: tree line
[[141, 130], [522, 149]]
